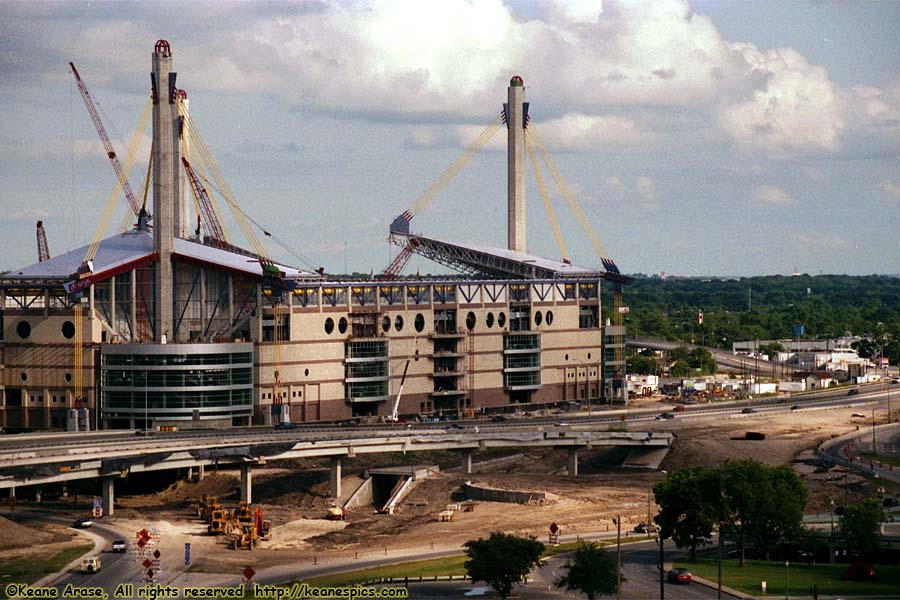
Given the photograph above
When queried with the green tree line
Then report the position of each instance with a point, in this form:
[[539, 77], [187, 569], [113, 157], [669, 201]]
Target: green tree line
[[764, 308]]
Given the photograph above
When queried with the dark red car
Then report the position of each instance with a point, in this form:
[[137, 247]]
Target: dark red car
[[678, 575]]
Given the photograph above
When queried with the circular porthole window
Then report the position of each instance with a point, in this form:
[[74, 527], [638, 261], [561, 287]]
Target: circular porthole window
[[24, 376], [306, 372], [538, 317], [68, 377], [589, 356], [329, 325], [420, 322], [68, 330], [342, 325], [501, 320], [23, 329], [470, 321], [567, 357], [549, 318], [398, 323], [385, 324], [489, 320]]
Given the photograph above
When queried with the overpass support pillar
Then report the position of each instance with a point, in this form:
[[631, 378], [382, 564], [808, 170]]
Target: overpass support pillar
[[108, 488], [201, 472], [246, 483], [190, 474], [467, 462], [336, 477], [573, 462]]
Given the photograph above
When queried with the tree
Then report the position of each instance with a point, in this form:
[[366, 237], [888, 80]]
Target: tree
[[502, 560], [591, 571], [765, 504], [861, 527], [690, 506]]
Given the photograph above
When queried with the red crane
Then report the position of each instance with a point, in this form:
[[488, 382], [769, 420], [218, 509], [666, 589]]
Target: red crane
[[107, 145], [213, 227], [43, 248]]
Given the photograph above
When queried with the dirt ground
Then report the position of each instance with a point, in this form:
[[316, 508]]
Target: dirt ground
[[294, 494]]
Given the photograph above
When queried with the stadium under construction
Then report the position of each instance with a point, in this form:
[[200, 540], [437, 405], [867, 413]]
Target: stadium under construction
[[170, 323]]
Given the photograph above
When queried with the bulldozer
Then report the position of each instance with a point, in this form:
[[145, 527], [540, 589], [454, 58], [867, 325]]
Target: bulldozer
[[244, 512], [207, 506], [245, 537], [220, 522], [336, 513]]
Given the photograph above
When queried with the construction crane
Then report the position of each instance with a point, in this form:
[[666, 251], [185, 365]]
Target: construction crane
[[213, 226], [393, 418], [107, 144], [43, 248]]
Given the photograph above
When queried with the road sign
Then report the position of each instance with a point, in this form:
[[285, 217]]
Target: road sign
[[187, 554], [554, 527]]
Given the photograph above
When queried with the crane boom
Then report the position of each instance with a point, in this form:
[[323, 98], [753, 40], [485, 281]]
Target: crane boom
[[209, 215], [42, 246], [104, 138]]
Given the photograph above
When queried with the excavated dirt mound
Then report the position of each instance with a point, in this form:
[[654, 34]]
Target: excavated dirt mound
[[13, 535]]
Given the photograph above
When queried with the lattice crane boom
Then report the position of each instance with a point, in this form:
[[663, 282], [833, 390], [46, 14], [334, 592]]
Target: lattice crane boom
[[107, 144], [42, 246], [211, 220]]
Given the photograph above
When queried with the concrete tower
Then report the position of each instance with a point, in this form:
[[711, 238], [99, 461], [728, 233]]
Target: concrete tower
[[166, 158], [516, 112], [183, 226]]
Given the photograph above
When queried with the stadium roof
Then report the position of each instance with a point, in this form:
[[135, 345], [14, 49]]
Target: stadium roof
[[128, 250], [476, 259]]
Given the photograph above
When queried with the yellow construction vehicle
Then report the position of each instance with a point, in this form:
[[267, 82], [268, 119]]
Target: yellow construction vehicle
[[244, 512], [336, 513], [245, 537], [210, 504], [220, 522]]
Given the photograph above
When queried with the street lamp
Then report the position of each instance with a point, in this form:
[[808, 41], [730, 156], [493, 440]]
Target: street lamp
[[831, 536], [787, 580]]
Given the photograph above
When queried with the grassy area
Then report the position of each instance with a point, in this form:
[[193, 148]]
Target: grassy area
[[32, 568], [802, 578], [451, 565], [888, 460]]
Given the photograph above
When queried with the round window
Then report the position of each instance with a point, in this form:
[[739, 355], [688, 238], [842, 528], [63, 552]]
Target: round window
[[501, 320], [24, 376], [549, 318], [470, 321], [420, 322], [567, 357], [68, 330], [342, 325], [489, 320], [23, 329], [329, 325], [385, 324], [538, 317], [68, 377], [306, 372], [398, 323], [589, 356]]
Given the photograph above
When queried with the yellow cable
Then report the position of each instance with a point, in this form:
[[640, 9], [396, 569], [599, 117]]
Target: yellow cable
[[456, 166], [551, 216], [582, 219]]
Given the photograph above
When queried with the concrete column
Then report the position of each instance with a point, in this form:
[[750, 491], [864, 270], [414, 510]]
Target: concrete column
[[133, 306], [12, 492], [246, 483], [201, 472], [467, 462], [112, 304], [166, 169], [336, 477], [515, 125], [190, 473], [203, 311], [573, 462], [108, 487]]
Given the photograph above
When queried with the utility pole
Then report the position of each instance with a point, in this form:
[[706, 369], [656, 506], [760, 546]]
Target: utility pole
[[662, 569], [618, 556]]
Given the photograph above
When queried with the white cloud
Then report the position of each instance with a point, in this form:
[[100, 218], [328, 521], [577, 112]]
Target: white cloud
[[796, 107], [825, 241], [615, 184], [29, 214], [772, 195]]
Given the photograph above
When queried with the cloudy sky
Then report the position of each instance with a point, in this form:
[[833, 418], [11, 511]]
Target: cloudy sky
[[701, 138]]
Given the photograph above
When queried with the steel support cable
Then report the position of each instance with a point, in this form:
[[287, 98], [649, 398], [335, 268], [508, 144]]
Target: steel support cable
[[221, 185], [142, 192], [103, 223], [455, 167], [187, 154], [577, 212], [551, 216]]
